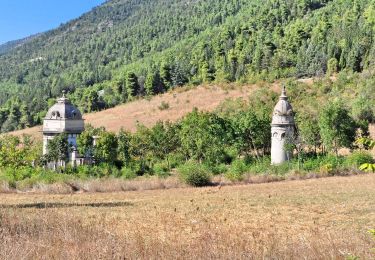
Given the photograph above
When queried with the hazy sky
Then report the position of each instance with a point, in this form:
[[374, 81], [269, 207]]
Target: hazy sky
[[21, 18]]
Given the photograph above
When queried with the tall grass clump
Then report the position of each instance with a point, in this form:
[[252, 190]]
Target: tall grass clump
[[194, 174]]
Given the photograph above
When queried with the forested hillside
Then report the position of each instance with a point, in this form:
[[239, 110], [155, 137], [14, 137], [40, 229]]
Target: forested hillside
[[8, 46], [128, 48]]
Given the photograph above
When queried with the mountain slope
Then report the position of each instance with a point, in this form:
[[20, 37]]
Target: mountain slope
[[127, 48], [8, 46]]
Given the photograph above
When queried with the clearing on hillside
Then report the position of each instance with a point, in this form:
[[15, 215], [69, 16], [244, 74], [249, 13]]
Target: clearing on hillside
[[147, 112], [312, 219]]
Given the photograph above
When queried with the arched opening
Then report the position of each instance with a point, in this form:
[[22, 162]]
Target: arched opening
[[55, 114]]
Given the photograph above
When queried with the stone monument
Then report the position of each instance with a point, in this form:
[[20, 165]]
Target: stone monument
[[63, 117], [282, 130]]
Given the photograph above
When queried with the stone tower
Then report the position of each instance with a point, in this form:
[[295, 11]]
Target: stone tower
[[282, 129], [63, 117]]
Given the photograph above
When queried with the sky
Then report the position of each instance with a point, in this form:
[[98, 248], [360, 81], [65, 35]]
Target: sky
[[22, 18]]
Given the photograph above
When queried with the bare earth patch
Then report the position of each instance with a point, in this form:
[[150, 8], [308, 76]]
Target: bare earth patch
[[148, 112], [325, 218]]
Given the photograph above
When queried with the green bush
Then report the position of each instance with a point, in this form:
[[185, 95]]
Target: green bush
[[128, 173], [217, 169], [283, 169], [358, 158], [237, 170], [27, 177], [194, 174], [44, 177], [261, 166], [161, 169], [104, 170], [7, 177], [175, 160], [317, 163], [335, 161], [230, 154], [18, 174], [311, 164], [141, 168], [84, 171]]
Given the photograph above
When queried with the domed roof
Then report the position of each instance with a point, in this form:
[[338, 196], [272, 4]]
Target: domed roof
[[63, 110], [283, 111]]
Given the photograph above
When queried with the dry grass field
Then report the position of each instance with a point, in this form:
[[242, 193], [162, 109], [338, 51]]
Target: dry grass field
[[148, 112], [326, 218]]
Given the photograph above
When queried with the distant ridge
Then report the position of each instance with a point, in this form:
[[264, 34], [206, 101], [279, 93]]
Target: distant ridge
[[8, 46]]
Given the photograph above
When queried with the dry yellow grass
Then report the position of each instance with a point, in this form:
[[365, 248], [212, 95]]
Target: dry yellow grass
[[147, 112], [310, 219]]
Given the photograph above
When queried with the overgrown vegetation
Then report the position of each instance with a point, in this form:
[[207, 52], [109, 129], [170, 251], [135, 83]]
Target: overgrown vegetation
[[116, 53], [233, 141], [235, 41]]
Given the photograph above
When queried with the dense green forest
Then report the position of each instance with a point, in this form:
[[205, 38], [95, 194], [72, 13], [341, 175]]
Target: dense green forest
[[129, 48]]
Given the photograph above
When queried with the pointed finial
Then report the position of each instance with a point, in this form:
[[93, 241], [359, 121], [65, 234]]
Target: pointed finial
[[63, 93], [283, 95]]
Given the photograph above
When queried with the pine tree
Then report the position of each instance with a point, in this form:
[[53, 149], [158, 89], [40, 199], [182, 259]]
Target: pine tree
[[165, 75], [131, 85], [178, 75], [26, 119]]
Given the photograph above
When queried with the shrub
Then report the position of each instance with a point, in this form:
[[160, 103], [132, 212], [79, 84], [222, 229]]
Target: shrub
[[110, 170], [128, 173], [217, 169], [230, 154], [282, 169], [14, 175], [84, 171], [161, 169], [140, 167], [175, 160], [261, 166], [194, 174], [104, 170], [332, 160], [237, 170], [163, 106], [311, 164], [34, 176], [326, 169], [44, 177], [358, 158]]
